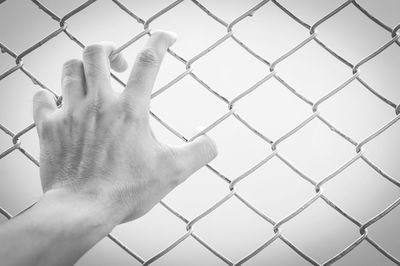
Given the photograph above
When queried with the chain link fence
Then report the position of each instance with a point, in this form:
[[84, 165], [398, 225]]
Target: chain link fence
[[272, 73]]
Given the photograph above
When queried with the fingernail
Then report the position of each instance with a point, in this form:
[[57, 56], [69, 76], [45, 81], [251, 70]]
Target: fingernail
[[168, 35]]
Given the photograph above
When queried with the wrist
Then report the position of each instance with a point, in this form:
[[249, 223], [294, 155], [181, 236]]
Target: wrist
[[57, 230], [76, 214]]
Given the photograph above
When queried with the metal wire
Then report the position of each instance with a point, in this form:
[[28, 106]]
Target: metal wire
[[354, 76]]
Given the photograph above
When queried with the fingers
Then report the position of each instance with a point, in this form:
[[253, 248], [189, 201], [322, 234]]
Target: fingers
[[97, 59], [145, 69], [73, 83], [118, 61], [196, 154], [43, 106]]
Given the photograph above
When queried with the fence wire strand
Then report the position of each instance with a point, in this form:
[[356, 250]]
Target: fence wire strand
[[271, 67]]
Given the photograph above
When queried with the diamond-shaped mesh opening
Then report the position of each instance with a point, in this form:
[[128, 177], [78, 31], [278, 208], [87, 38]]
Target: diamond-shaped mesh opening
[[188, 198], [365, 254], [313, 72], [106, 17], [270, 42], [326, 151], [240, 230], [232, 62], [148, 10], [275, 189], [386, 13], [192, 40], [378, 149], [62, 8], [320, 220], [19, 91], [349, 33], [311, 11], [381, 73], [386, 232], [248, 151], [307, 171], [188, 111], [106, 252], [152, 228], [357, 185], [357, 119], [192, 247], [28, 27], [13, 176], [268, 100], [237, 8], [277, 253]]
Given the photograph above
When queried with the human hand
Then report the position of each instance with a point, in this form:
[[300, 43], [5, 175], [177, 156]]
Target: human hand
[[99, 147]]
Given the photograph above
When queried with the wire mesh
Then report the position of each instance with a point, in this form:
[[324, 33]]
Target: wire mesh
[[272, 73]]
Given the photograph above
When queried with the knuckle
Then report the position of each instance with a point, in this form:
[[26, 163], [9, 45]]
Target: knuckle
[[72, 63], [92, 50], [94, 107], [131, 112], [174, 181], [69, 116], [134, 118], [178, 168], [39, 96], [72, 67], [70, 81], [149, 57], [110, 44], [44, 128], [169, 160]]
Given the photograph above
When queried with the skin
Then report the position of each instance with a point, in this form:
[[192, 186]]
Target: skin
[[100, 163]]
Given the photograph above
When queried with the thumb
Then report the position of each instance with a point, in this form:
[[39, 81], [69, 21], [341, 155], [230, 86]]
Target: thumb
[[195, 154], [43, 105]]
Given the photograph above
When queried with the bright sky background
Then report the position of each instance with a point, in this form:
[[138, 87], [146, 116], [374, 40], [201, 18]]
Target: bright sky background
[[233, 229]]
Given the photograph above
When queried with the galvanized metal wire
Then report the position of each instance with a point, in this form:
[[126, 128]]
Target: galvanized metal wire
[[272, 73]]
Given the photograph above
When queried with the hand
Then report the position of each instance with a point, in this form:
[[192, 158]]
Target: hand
[[99, 147]]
